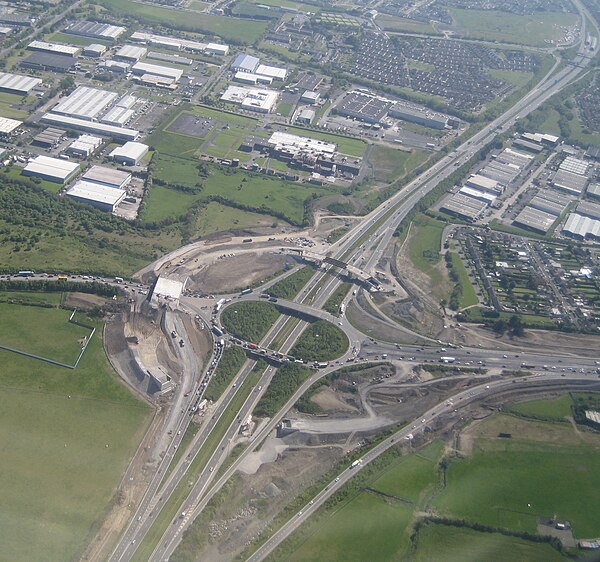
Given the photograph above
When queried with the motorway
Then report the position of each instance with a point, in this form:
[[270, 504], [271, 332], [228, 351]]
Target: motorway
[[368, 241]]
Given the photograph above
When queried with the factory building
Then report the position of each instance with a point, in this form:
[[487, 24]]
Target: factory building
[[130, 153], [484, 196], [310, 97], [95, 30], [95, 50], [51, 169], [118, 116], [84, 146], [535, 219], [245, 63], [8, 126], [85, 103], [54, 48], [252, 99], [216, 49], [580, 227], [48, 137], [306, 117], [49, 62], [87, 126], [369, 109], [116, 66], [165, 57], [593, 190], [143, 68], [130, 53], [100, 196], [109, 177], [418, 115], [17, 84], [570, 182], [252, 79], [484, 184], [180, 44], [273, 72], [464, 207]]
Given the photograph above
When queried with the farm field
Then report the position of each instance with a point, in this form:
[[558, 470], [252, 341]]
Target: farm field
[[26, 328], [531, 30], [466, 545], [66, 436], [557, 409], [230, 29]]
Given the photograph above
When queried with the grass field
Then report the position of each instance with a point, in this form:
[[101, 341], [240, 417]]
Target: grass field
[[394, 23], [510, 28], [496, 483], [8, 100], [517, 79], [557, 409], [321, 341], [468, 296], [390, 163], [466, 545], [58, 474], [289, 287], [26, 328], [250, 321], [234, 30]]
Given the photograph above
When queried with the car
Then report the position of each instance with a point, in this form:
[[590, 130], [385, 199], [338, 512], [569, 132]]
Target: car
[[337, 479]]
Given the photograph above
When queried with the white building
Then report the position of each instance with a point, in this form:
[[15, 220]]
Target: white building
[[84, 146], [252, 99], [55, 48], [131, 53], [85, 103], [17, 84], [109, 177], [130, 153], [143, 68], [51, 169], [100, 196], [94, 50], [8, 126], [90, 126]]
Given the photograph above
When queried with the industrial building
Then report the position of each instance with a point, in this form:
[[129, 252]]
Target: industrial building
[[118, 116], [273, 72], [111, 177], [95, 30], [252, 99], [588, 209], [143, 68], [130, 53], [548, 140], [528, 145], [310, 97], [245, 63], [250, 78], [463, 206], [55, 48], [216, 49], [165, 57], [17, 84], [94, 50], [152, 81], [482, 183], [510, 156], [535, 219], [281, 141], [84, 146], [130, 153], [570, 182], [574, 165], [100, 196], [116, 66], [85, 103], [49, 62], [306, 117], [48, 137], [180, 44], [51, 169], [419, 115], [593, 190], [8, 126], [90, 126], [550, 201], [487, 198], [363, 107], [580, 227]]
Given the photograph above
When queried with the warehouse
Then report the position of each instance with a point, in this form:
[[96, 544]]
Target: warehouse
[[110, 177], [100, 196], [550, 201], [8, 126], [310, 97], [49, 62], [464, 207], [487, 198], [549, 140], [273, 72], [85, 103], [118, 116], [510, 156], [581, 227], [252, 99], [94, 50], [245, 63], [216, 49], [570, 182], [152, 81], [177, 59], [281, 141], [180, 44], [51, 169], [17, 84], [502, 173], [117, 66], [484, 184], [418, 115], [55, 48], [84, 146], [362, 107], [131, 53], [48, 137], [130, 153], [588, 209], [142, 68], [96, 30], [528, 145], [127, 101], [593, 190], [90, 126], [574, 165], [534, 219], [306, 117]]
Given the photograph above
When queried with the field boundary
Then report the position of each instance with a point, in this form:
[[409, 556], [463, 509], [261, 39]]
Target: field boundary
[[53, 361]]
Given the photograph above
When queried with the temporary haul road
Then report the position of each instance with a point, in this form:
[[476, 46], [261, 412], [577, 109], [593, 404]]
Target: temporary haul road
[[368, 240]]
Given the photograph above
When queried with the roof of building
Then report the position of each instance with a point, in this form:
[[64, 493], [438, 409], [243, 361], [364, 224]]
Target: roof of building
[[133, 52], [307, 114], [574, 165], [245, 63], [535, 219], [90, 126], [570, 181], [157, 70], [96, 29], [107, 176], [594, 189], [478, 194], [85, 102], [96, 192], [85, 143], [589, 209], [18, 82], [482, 181], [579, 225], [118, 116], [297, 143], [464, 206], [54, 47], [50, 60], [95, 48], [169, 288], [252, 98], [274, 72], [547, 205], [7, 125], [51, 166], [132, 150]]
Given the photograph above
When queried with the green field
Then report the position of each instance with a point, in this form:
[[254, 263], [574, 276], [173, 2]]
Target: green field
[[391, 163], [557, 409], [496, 483], [321, 341], [26, 328], [233, 30], [249, 321], [531, 30], [231, 362], [9, 105], [289, 287], [66, 437], [468, 297], [517, 79], [466, 545], [394, 23], [334, 301]]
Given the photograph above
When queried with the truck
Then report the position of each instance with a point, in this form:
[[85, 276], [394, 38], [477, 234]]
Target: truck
[[246, 292], [217, 331], [25, 273], [118, 280], [342, 308], [447, 359], [356, 463]]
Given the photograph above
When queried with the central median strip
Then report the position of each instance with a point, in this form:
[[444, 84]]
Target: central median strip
[[176, 500]]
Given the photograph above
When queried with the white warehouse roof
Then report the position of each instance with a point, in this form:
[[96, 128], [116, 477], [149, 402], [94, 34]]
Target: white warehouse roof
[[272, 72], [53, 48], [85, 102], [46, 166], [96, 193], [217, 48], [157, 70], [7, 125], [118, 116], [131, 151], [107, 176], [18, 83], [131, 52], [90, 126]]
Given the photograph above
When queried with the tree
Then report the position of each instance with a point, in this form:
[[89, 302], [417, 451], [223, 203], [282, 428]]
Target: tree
[[516, 326], [500, 326]]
